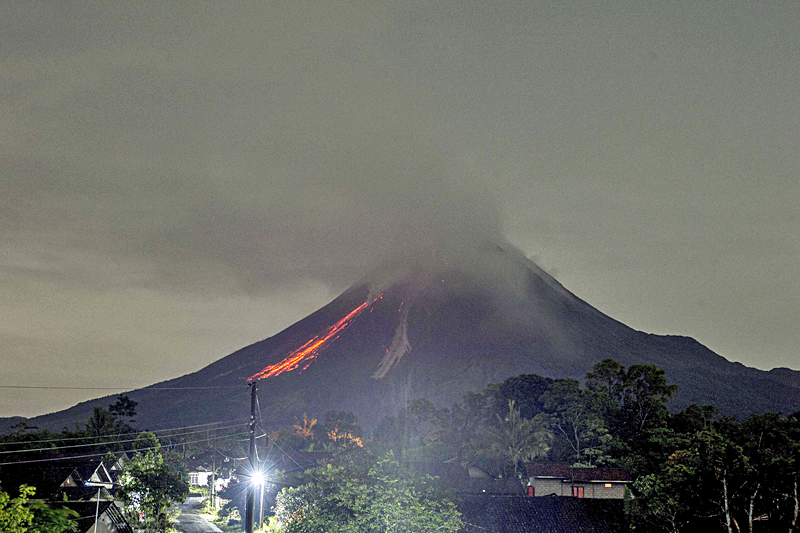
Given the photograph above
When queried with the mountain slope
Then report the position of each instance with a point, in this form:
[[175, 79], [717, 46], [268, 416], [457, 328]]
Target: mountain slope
[[437, 327]]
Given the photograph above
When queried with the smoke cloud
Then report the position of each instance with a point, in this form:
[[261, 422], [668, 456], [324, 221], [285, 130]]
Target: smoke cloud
[[174, 163]]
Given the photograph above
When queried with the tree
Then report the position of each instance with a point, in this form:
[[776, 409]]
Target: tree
[[414, 429], [305, 428], [646, 393], [660, 504], [150, 487], [608, 376], [145, 440], [526, 390], [519, 439], [102, 423], [342, 429], [768, 475], [123, 408], [573, 415], [693, 419], [21, 515], [15, 515], [461, 427], [632, 400], [720, 475], [387, 498]]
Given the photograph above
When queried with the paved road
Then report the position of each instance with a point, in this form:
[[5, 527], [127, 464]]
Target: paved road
[[189, 521]]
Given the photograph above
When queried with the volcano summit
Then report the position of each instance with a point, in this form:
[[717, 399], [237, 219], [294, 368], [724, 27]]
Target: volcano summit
[[436, 327]]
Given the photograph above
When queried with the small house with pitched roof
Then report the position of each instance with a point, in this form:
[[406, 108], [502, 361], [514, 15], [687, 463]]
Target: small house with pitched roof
[[86, 486], [545, 479]]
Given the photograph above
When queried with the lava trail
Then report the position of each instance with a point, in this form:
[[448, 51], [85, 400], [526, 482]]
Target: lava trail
[[305, 354]]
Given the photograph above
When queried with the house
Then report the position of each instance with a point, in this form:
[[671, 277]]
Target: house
[[109, 517], [86, 486], [557, 479], [200, 477], [87, 474], [115, 467], [510, 513]]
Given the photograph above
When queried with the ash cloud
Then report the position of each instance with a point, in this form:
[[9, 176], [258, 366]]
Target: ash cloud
[[369, 209], [154, 159]]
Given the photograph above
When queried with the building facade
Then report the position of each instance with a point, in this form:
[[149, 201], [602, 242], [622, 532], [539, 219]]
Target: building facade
[[546, 479]]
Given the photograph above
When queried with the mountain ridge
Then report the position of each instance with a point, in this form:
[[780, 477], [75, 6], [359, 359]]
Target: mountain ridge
[[438, 327]]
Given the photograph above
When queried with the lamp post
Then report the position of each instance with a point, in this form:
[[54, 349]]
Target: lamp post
[[258, 480], [261, 506], [252, 458], [99, 486]]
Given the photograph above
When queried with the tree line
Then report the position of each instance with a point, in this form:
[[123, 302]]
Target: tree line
[[692, 469]]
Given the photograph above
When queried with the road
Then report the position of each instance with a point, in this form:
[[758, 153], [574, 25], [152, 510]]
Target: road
[[190, 521]]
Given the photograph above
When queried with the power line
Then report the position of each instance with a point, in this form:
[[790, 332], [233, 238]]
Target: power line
[[229, 457], [118, 388], [69, 457], [54, 448], [112, 434], [275, 442]]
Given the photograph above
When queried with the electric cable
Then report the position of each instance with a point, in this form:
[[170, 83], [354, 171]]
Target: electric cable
[[114, 434], [273, 441], [54, 448], [124, 389], [70, 457]]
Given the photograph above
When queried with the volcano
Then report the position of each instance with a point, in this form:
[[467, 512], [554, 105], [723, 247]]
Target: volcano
[[436, 327]]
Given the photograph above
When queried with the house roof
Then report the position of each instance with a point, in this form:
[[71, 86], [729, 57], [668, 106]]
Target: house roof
[[54, 477], [563, 471], [107, 510], [521, 514]]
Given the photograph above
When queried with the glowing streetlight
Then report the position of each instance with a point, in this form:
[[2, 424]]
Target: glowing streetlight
[[99, 486], [259, 479]]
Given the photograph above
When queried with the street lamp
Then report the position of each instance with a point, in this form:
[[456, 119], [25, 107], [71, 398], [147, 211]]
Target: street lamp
[[99, 486], [259, 479]]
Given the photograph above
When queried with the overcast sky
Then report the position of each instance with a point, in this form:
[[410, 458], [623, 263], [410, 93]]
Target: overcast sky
[[179, 180]]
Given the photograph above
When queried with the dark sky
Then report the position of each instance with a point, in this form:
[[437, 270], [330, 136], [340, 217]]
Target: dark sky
[[179, 180]]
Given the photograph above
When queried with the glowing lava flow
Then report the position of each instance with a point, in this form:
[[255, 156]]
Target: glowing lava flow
[[308, 352]]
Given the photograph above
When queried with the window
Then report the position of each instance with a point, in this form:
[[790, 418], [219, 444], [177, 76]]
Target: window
[[193, 478], [577, 492]]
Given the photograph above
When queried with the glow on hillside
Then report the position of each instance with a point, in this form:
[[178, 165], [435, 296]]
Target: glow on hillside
[[305, 354]]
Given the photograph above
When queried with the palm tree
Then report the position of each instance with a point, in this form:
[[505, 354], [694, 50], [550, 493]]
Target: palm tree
[[519, 439]]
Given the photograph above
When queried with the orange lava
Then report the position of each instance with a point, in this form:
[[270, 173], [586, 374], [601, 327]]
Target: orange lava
[[305, 354]]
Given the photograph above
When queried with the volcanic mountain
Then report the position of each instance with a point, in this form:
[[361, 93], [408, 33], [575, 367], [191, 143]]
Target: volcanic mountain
[[435, 328]]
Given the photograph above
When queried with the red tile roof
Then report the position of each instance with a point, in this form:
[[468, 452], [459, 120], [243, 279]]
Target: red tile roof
[[563, 471]]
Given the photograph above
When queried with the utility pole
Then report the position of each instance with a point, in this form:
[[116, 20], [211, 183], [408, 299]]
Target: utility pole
[[214, 477], [250, 487]]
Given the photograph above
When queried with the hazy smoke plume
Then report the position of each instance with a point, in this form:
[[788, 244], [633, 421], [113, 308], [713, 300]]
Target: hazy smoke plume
[[370, 206], [173, 171]]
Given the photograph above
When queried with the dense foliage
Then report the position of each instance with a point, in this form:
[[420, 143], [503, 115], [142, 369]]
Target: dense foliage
[[691, 469], [152, 481], [150, 487], [23, 515], [348, 498]]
